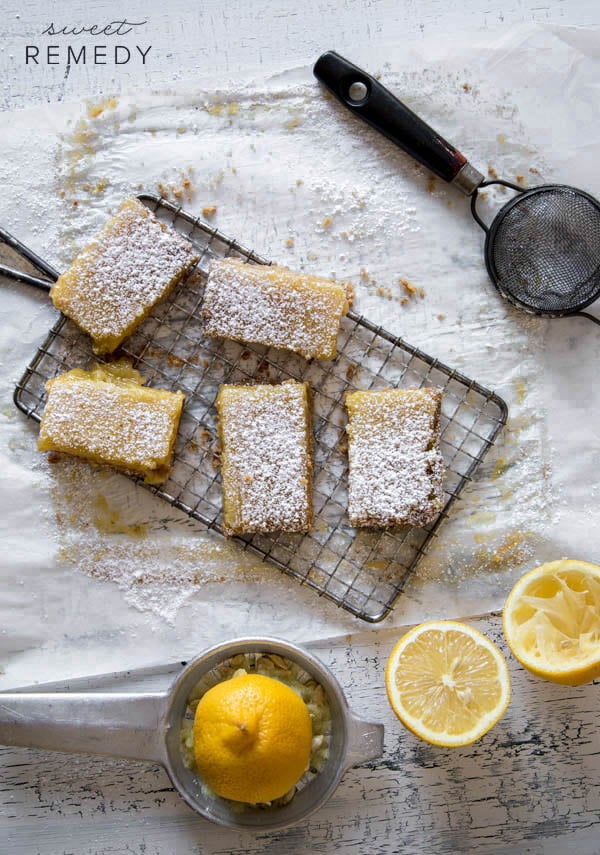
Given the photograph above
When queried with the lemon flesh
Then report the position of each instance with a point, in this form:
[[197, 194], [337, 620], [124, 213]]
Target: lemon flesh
[[551, 621], [447, 683]]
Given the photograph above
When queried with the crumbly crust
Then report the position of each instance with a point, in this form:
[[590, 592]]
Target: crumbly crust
[[274, 306], [396, 471], [266, 457], [131, 264]]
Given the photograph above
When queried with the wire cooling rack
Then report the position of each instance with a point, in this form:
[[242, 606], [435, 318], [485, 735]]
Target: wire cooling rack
[[361, 570]]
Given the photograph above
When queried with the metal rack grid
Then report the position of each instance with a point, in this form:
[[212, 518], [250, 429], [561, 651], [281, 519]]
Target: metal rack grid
[[361, 570]]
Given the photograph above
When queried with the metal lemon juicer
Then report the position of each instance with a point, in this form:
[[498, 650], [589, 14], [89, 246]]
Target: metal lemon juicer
[[147, 726]]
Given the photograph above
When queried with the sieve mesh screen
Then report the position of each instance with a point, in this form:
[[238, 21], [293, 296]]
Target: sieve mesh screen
[[543, 250]]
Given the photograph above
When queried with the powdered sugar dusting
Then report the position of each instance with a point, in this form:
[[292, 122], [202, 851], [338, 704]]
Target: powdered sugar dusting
[[396, 469], [274, 306], [128, 267], [89, 415], [266, 460]]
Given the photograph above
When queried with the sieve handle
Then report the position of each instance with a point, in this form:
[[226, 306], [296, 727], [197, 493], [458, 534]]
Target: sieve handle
[[127, 725], [366, 97]]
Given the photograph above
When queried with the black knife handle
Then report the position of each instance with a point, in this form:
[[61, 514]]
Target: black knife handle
[[388, 115]]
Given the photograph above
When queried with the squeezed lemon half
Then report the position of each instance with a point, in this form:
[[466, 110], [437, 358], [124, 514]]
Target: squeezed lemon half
[[252, 738], [551, 621], [447, 683]]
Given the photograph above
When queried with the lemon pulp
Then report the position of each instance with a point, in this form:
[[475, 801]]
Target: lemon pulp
[[447, 683]]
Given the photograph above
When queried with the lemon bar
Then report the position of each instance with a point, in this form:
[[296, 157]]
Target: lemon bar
[[396, 470], [274, 306], [266, 457], [107, 416], [131, 264]]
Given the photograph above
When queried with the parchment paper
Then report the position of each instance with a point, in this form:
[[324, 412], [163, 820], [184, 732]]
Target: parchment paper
[[96, 574]]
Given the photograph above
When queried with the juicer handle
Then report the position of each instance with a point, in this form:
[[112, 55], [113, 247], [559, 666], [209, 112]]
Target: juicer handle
[[29, 263], [365, 741], [126, 725], [364, 96]]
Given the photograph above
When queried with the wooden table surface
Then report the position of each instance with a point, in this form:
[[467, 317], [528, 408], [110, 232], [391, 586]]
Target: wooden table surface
[[533, 783], [530, 785]]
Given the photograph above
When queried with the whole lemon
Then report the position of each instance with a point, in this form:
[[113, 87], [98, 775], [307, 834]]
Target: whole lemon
[[252, 738]]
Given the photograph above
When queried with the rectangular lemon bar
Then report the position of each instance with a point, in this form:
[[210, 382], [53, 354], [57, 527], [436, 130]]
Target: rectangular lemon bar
[[131, 264], [274, 306], [396, 469], [266, 457], [107, 416]]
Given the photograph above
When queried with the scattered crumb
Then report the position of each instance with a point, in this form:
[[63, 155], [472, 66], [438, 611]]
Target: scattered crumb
[[364, 273], [441, 317], [181, 130], [467, 87], [492, 172], [181, 187], [403, 301], [209, 211], [521, 179], [172, 359], [218, 179], [534, 170], [409, 288], [293, 123], [96, 109], [289, 242], [327, 222], [299, 182]]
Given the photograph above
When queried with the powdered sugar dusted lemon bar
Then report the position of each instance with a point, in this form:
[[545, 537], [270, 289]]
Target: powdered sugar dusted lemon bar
[[266, 457], [396, 469], [274, 306], [131, 264], [106, 416]]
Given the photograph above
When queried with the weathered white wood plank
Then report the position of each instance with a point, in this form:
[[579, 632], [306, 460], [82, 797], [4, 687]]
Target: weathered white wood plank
[[528, 785]]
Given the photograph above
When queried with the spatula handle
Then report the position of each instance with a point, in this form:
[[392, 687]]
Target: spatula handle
[[366, 97], [11, 249]]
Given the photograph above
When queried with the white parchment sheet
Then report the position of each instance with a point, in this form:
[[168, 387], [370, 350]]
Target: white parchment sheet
[[95, 573]]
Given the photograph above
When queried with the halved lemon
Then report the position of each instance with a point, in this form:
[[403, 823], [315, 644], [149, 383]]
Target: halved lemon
[[551, 621], [447, 683]]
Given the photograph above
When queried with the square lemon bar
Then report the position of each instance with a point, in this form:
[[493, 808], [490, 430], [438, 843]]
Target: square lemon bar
[[107, 416], [131, 264], [266, 457], [396, 469], [271, 305]]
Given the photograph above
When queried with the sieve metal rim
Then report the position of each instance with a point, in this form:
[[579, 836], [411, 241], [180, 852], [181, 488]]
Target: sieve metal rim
[[491, 233]]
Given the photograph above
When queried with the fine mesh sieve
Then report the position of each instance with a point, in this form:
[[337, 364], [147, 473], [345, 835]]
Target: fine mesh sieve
[[542, 250]]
